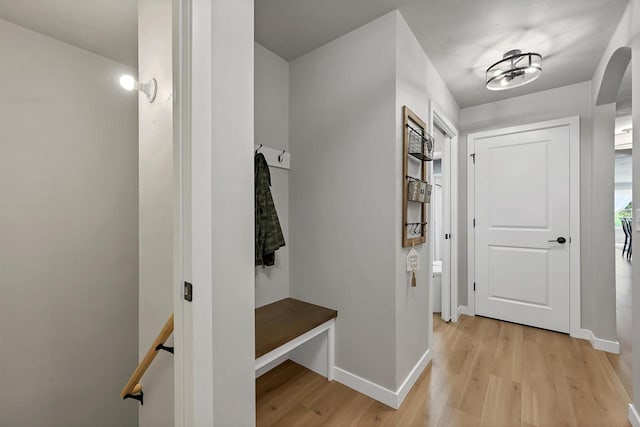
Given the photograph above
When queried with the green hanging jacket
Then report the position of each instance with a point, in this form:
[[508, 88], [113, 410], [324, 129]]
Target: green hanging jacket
[[269, 236]]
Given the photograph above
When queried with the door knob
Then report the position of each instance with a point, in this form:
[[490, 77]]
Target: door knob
[[560, 240]]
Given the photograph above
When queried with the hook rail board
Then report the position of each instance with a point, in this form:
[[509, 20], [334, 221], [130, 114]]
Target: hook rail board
[[275, 157]]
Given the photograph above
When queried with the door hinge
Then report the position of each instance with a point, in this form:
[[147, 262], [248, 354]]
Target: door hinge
[[473, 157], [188, 291], [474, 223], [474, 286], [446, 236]]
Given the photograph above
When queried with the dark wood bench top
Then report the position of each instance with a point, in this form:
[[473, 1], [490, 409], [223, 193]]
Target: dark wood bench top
[[285, 320]]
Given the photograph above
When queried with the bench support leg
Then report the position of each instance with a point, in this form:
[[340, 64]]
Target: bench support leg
[[331, 348]]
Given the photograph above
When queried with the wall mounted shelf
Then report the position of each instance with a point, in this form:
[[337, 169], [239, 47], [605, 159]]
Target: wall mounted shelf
[[417, 151]]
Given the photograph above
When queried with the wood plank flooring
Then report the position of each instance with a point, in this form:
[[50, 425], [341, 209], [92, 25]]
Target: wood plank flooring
[[484, 373]]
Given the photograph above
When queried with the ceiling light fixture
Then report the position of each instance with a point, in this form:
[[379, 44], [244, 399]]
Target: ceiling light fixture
[[150, 89], [513, 70]]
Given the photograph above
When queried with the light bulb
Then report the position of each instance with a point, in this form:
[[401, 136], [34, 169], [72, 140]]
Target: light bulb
[[128, 82], [150, 88], [530, 70]]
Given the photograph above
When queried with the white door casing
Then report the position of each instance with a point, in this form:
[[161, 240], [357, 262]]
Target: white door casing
[[525, 195], [449, 212]]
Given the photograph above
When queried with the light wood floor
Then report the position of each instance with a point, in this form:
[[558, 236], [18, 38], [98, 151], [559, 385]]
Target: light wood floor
[[622, 362], [484, 373]]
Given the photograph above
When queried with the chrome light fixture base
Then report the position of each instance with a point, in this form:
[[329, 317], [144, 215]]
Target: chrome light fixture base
[[513, 70], [150, 89]]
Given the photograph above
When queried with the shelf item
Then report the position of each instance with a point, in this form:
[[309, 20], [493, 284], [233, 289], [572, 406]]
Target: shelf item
[[421, 144], [417, 145], [418, 190]]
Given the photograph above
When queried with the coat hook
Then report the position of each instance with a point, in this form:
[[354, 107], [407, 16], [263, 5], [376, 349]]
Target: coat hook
[[281, 156], [258, 149]]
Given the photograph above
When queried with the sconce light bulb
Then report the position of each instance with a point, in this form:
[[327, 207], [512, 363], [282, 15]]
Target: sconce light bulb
[[128, 82], [150, 89]]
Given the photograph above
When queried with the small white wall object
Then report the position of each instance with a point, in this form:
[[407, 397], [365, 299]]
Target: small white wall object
[[275, 158]]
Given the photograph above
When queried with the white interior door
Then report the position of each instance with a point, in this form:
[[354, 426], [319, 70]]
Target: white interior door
[[522, 242]]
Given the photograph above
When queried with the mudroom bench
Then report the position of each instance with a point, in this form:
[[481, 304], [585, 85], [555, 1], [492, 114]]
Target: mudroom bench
[[285, 325]]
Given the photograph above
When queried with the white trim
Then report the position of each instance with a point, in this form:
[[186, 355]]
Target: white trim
[[331, 352], [182, 335], [598, 343], [284, 349], [574, 203], [634, 418], [449, 296], [471, 237], [201, 104], [574, 187], [366, 387], [463, 309], [382, 394], [583, 334], [413, 376]]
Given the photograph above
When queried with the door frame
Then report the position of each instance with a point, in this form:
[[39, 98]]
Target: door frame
[[183, 326], [573, 123], [449, 213]]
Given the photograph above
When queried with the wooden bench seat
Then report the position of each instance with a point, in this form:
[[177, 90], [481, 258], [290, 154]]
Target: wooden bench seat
[[286, 324]]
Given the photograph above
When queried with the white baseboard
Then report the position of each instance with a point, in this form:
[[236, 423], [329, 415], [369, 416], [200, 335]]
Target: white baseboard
[[463, 309], [634, 418], [371, 389], [598, 343], [382, 394], [582, 334], [413, 376]]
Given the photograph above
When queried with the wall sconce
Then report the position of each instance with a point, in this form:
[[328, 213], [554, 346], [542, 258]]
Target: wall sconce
[[150, 88]]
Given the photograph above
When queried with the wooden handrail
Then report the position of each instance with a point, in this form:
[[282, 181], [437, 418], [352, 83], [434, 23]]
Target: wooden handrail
[[133, 386]]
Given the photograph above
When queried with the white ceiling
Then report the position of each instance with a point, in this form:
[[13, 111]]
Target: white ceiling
[[462, 37], [291, 28], [105, 27]]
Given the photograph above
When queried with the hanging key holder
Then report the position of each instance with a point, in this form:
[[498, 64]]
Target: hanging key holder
[[413, 265]]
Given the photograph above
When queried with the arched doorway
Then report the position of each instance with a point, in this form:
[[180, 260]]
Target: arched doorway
[[613, 108]]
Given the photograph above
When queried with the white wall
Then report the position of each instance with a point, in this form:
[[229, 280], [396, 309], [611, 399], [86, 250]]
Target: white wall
[[417, 82], [626, 35], [635, 294], [600, 270], [573, 100], [156, 170], [223, 212], [343, 192], [346, 103], [68, 235], [272, 130]]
